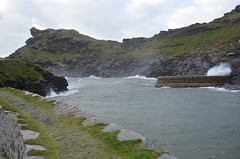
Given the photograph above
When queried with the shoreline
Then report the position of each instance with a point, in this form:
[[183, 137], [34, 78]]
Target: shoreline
[[68, 112]]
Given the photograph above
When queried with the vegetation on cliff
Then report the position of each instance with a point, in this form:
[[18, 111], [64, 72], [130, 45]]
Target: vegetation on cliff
[[189, 50], [29, 76]]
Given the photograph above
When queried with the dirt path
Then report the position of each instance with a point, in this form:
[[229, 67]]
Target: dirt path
[[71, 143]]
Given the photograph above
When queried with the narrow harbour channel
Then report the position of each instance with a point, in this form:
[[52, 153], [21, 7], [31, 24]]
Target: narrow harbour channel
[[200, 123]]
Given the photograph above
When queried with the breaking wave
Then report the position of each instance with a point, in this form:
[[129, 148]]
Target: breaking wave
[[64, 93], [94, 77], [220, 70], [221, 89], [140, 77]]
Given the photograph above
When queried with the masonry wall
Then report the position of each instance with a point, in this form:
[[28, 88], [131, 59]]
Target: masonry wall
[[11, 140], [191, 81]]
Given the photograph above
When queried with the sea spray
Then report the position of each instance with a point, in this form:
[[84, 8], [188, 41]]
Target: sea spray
[[140, 77], [52, 94], [220, 70]]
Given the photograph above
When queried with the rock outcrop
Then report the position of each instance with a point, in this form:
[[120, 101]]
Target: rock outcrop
[[190, 50], [30, 77]]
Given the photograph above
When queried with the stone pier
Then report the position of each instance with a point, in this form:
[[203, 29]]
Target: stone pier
[[191, 81]]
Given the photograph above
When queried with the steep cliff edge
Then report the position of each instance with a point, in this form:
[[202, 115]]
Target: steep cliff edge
[[190, 50], [30, 77]]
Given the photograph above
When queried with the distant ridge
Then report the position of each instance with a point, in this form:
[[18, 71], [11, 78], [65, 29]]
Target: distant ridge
[[189, 50]]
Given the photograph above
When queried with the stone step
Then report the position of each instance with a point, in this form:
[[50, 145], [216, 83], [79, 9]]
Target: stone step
[[28, 134]]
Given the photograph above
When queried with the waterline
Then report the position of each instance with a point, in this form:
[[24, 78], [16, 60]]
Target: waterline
[[199, 122]]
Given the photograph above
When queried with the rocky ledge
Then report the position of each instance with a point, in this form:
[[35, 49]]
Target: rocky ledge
[[30, 77]]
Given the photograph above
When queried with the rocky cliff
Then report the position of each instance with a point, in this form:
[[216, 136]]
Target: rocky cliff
[[30, 77], [190, 50]]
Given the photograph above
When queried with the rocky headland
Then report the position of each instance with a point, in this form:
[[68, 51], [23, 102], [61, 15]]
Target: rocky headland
[[190, 50], [30, 77]]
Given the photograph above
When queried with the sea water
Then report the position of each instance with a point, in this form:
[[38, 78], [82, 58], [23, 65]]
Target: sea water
[[199, 123]]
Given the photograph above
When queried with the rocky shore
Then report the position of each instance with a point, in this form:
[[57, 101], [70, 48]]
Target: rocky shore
[[30, 77], [71, 143]]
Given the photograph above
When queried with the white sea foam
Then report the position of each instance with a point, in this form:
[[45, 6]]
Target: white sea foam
[[64, 93], [94, 77], [221, 89], [140, 77], [220, 70]]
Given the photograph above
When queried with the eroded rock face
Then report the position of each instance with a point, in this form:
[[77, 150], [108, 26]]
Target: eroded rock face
[[36, 79], [235, 66]]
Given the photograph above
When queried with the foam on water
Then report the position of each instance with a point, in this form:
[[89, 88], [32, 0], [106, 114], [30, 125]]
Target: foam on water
[[140, 77], [65, 93], [94, 77], [220, 70], [221, 89]]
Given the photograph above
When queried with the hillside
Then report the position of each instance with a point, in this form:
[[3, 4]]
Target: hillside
[[30, 77], [190, 50]]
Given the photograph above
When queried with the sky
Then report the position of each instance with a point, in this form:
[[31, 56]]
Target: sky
[[103, 19]]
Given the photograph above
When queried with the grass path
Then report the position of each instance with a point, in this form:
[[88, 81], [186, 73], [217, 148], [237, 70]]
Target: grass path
[[64, 136]]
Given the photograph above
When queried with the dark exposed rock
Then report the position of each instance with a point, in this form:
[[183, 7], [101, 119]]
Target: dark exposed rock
[[30, 77]]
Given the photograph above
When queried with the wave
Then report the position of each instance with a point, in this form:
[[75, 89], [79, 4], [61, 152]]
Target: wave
[[220, 70], [221, 89], [65, 93], [94, 77], [140, 77]]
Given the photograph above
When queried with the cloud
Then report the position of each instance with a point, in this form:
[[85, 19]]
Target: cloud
[[35, 24], [146, 18], [139, 9], [200, 11]]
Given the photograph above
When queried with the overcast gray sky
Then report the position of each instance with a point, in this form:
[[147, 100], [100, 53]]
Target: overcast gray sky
[[102, 19]]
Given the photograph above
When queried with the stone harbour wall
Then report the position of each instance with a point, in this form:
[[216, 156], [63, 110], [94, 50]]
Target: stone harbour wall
[[191, 81], [11, 140]]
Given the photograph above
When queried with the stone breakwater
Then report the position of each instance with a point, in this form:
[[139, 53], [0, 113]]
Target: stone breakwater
[[11, 139], [191, 81]]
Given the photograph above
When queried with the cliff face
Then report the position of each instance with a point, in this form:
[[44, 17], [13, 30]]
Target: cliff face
[[190, 50], [30, 77]]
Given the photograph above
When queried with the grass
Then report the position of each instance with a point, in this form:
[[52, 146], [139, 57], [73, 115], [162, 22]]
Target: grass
[[44, 139], [13, 70], [54, 131], [217, 37]]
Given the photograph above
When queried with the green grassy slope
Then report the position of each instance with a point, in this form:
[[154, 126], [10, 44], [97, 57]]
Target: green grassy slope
[[13, 70], [68, 45]]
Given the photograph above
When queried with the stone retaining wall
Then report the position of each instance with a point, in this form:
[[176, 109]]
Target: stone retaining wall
[[11, 140], [191, 81]]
